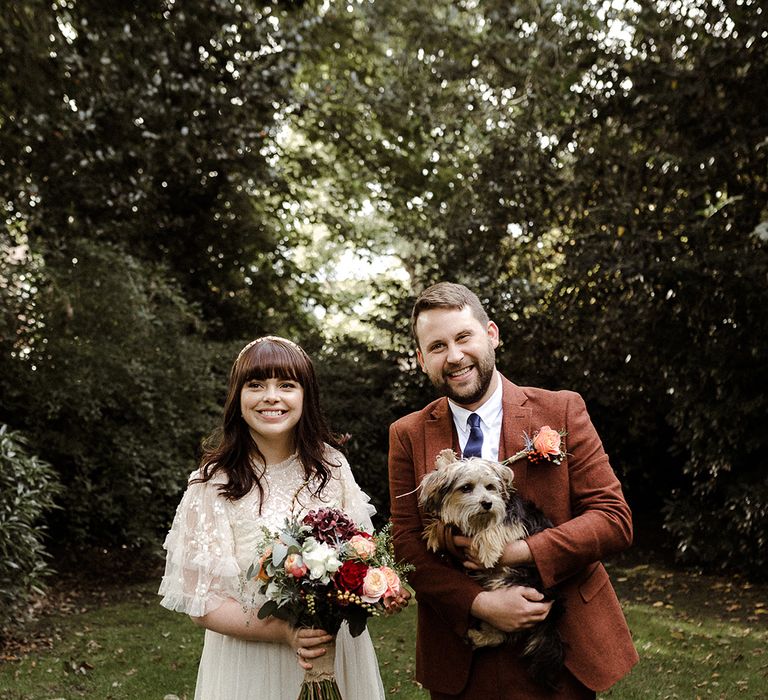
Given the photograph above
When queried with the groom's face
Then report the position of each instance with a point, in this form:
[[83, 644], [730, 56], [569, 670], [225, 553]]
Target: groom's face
[[457, 353]]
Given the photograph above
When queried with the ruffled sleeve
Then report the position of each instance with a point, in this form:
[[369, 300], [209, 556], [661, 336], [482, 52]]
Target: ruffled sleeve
[[356, 503], [201, 571]]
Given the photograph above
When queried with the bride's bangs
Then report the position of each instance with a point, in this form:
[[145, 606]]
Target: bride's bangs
[[272, 359]]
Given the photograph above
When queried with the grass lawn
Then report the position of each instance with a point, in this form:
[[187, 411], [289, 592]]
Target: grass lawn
[[698, 637]]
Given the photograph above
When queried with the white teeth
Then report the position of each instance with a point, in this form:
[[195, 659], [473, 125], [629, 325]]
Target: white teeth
[[272, 414], [460, 372]]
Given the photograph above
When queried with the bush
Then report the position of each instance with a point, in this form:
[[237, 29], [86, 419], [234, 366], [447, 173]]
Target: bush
[[117, 390], [27, 489]]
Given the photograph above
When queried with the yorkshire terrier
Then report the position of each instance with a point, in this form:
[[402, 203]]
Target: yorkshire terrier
[[476, 497]]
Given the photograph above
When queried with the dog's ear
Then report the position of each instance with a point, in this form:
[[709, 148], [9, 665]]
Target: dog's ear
[[445, 457], [435, 486], [506, 476]]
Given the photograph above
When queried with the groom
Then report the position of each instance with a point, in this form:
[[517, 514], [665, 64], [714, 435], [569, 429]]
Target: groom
[[455, 345]]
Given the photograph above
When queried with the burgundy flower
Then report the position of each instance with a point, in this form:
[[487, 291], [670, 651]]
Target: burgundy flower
[[350, 576], [330, 525]]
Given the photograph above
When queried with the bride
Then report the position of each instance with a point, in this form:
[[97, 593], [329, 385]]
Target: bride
[[272, 458]]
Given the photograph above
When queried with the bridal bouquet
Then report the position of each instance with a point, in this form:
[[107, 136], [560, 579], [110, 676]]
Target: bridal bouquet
[[321, 570]]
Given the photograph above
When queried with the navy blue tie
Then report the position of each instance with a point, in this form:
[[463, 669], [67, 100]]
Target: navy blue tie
[[474, 446]]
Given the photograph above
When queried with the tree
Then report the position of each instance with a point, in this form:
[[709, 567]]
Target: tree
[[150, 126]]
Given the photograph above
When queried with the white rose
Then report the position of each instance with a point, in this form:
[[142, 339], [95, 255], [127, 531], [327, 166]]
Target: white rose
[[320, 559]]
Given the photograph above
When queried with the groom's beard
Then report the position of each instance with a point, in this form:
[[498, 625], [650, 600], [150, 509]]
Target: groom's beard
[[485, 366]]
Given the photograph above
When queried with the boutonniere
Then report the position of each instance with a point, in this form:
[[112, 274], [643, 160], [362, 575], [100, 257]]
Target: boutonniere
[[546, 445]]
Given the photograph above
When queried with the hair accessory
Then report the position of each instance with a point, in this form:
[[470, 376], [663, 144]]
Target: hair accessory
[[262, 339]]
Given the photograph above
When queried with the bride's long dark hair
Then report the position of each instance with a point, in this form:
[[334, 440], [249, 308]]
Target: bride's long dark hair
[[232, 450]]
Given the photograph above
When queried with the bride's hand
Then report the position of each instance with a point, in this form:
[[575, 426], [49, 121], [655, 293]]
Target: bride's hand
[[307, 643], [394, 604]]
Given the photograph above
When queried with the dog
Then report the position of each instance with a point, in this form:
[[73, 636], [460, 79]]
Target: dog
[[477, 497]]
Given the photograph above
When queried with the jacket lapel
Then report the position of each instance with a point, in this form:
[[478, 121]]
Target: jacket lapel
[[439, 435], [515, 421]]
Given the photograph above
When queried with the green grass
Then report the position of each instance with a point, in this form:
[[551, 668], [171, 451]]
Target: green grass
[[395, 641], [129, 649], [698, 637], [121, 650]]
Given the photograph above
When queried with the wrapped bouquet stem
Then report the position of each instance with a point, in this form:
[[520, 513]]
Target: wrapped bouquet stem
[[322, 571], [320, 680]]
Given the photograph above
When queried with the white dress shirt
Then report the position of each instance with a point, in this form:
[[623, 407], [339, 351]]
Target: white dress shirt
[[490, 422]]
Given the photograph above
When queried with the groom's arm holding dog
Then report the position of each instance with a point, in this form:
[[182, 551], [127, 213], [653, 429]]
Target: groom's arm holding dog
[[600, 523], [446, 589]]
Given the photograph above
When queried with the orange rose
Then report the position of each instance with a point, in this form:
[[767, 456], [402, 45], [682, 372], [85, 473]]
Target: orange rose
[[263, 575], [547, 441], [295, 566]]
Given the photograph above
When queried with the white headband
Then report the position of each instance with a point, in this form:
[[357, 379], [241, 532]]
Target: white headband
[[262, 339]]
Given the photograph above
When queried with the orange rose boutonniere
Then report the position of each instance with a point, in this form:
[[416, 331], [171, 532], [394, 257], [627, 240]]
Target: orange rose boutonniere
[[546, 445]]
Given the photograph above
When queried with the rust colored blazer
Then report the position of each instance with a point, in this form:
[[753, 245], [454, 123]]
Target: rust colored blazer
[[581, 496]]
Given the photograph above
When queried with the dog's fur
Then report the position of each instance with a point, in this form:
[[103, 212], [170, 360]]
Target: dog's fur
[[476, 497]]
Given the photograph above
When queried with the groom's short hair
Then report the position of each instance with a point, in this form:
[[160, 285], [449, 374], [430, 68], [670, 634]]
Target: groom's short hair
[[447, 295]]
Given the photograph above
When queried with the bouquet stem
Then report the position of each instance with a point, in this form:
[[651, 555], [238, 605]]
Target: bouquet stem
[[320, 680]]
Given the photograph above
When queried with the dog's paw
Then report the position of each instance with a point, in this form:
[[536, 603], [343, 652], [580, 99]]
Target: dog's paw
[[486, 636]]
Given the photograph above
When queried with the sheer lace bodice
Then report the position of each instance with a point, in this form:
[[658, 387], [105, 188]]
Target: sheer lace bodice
[[213, 541]]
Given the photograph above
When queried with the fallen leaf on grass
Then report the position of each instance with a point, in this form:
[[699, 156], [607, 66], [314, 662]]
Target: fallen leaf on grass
[[80, 668]]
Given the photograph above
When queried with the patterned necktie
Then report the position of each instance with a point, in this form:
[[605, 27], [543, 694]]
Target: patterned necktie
[[474, 446]]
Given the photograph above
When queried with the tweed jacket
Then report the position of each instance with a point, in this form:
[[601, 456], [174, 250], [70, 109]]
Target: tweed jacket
[[581, 496]]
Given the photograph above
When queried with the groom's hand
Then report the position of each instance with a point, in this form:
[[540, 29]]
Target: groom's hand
[[446, 539], [511, 609]]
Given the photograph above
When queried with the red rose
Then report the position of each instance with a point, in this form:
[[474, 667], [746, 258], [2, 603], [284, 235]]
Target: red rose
[[350, 576]]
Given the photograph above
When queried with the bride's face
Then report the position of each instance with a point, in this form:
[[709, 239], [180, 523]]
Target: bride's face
[[272, 408]]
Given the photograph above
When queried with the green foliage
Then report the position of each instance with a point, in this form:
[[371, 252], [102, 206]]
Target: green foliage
[[28, 486], [116, 390], [151, 125], [664, 275], [363, 391], [598, 175]]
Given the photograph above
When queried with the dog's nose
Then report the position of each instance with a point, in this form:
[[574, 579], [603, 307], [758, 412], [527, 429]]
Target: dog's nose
[[486, 504]]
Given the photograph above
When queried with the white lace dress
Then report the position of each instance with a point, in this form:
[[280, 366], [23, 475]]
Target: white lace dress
[[210, 546]]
